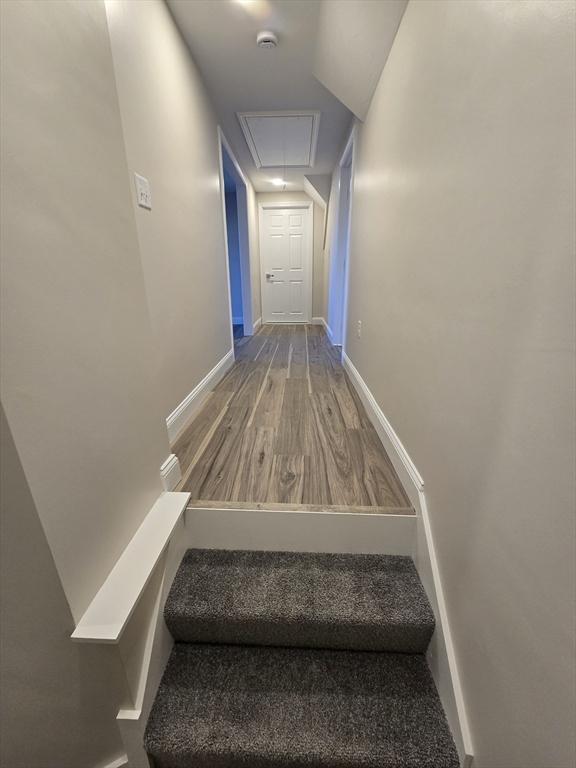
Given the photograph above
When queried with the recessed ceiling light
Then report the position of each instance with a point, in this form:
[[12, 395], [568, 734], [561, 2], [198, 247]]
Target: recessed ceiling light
[[259, 9], [278, 182]]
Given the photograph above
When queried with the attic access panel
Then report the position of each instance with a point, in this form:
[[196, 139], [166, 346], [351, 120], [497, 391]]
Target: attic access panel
[[281, 139]]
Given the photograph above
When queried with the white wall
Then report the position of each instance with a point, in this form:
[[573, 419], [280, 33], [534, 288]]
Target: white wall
[[254, 248], [81, 465], [330, 246], [335, 251], [75, 331], [462, 272], [171, 138], [86, 376], [57, 698], [318, 293]]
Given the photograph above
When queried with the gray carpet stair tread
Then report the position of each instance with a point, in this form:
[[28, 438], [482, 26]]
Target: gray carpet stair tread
[[340, 601], [245, 707]]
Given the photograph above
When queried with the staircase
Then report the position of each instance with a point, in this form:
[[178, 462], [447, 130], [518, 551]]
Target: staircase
[[298, 660]]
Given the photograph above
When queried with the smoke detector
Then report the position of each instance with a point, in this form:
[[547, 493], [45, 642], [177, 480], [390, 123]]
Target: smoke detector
[[266, 39]]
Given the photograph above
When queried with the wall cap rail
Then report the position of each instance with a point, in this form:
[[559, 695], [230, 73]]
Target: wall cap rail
[[110, 610]]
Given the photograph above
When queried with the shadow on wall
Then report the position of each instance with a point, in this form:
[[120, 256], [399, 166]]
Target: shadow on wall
[[75, 724]]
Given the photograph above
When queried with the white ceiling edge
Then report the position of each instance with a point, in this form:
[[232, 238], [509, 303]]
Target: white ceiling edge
[[318, 188], [355, 38]]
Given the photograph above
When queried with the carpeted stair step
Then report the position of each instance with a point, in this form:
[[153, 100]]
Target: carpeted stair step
[[357, 602], [224, 706]]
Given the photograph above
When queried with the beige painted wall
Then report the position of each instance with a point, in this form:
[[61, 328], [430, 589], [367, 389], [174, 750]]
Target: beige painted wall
[[88, 434], [57, 698], [75, 331], [171, 139], [349, 65], [330, 240], [318, 292], [81, 374], [462, 272], [333, 266], [318, 295], [254, 247]]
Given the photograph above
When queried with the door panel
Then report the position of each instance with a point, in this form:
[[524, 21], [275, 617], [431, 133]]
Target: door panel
[[279, 298], [286, 258], [296, 299], [296, 261]]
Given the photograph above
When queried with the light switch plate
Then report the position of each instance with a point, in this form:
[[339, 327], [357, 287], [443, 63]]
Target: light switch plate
[[143, 193]]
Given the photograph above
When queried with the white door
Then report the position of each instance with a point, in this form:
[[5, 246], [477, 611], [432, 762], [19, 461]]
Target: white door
[[286, 260]]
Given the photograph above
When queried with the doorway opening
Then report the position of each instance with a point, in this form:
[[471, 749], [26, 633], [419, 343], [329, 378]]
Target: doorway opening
[[233, 187], [338, 303], [233, 240]]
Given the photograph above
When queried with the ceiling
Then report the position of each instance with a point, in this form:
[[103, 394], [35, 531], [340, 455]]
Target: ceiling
[[244, 78], [354, 40]]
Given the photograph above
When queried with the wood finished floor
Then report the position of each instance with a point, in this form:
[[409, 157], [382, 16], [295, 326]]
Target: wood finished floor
[[285, 426]]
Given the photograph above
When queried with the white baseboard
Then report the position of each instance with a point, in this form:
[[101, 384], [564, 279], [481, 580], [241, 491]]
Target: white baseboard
[[300, 531], [170, 473], [182, 414], [322, 321], [441, 655], [257, 324], [382, 425]]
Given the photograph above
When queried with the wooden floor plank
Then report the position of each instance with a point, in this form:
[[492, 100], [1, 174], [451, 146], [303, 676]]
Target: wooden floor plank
[[344, 484], [291, 432], [316, 482], [255, 465], [283, 352], [188, 441], [268, 411], [215, 472], [365, 422], [249, 387], [285, 426], [234, 377], [317, 367], [298, 342], [340, 388], [249, 346], [387, 488], [287, 479]]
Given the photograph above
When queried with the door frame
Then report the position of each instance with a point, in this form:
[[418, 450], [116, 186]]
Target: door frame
[[243, 235], [297, 204], [343, 249]]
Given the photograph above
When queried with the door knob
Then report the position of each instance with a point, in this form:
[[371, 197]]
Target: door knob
[[269, 275]]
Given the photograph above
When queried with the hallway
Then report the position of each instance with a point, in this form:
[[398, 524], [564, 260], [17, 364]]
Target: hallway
[[285, 426], [287, 368]]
